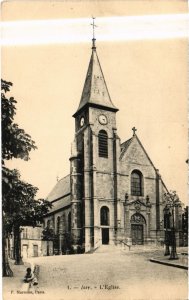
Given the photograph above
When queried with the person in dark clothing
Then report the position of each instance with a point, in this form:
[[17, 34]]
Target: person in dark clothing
[[30, 277]]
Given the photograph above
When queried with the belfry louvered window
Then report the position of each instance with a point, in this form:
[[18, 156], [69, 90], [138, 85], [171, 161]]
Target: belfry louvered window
[[103, 143], [136, 183]]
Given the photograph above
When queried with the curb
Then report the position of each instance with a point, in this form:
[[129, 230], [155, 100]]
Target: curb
[[168, 264]]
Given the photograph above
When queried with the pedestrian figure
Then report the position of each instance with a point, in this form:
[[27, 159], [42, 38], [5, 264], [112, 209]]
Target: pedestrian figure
[[30, 278]]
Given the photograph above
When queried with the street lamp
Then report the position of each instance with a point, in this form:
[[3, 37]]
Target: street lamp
[[172, 201], [167, 230]]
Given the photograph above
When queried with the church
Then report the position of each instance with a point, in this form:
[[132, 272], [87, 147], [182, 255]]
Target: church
[[113, 193]]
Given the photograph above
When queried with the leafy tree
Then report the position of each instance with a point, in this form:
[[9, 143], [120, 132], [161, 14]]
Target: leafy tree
[[185, 220], [67, 243], [185, 225], [15, 142], [48, 235], [19, 206], [22, 209]]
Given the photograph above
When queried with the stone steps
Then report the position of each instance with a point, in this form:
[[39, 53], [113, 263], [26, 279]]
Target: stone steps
[[107, 249]]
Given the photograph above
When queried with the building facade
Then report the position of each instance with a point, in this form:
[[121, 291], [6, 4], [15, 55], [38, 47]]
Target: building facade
[[113, 192], [31, 243]]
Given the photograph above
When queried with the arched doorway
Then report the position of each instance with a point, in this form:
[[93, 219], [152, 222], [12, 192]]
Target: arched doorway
[[137, 229], [104, 221]]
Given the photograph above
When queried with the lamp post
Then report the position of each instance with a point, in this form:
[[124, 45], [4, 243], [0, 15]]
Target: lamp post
[[173, 238], [172, 201], [166, 228]]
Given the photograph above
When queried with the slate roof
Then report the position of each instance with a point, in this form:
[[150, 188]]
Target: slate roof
[[125, 146], [60, 204], [61, 189], [95, 90], [60, 194]]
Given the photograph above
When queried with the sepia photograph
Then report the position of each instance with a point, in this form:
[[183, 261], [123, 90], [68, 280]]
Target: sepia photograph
[[94, 140]]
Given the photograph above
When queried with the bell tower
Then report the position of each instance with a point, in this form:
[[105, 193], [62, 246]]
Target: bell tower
[[94, 160]]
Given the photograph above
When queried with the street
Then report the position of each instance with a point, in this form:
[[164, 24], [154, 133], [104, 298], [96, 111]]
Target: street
[[115, 275]]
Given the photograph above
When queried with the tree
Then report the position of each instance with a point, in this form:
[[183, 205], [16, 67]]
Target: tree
[[172, 203], [185, 226], [19, 206], [48, 235], [15, 142], [22, 209]]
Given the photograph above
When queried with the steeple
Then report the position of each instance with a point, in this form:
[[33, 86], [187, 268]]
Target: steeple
[[95, 92]]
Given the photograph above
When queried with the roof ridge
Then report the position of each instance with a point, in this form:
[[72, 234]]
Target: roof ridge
[[63, 178]]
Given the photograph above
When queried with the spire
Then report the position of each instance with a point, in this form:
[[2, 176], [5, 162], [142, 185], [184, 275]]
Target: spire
[[95, 92]]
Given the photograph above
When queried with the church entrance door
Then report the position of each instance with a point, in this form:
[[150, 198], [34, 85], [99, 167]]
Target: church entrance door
[[105, 236], [137, 234]]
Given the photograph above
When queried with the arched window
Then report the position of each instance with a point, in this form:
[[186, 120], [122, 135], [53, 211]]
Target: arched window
[[69, 222], [103, 144], [136, 183], [104, 216], [58, 225]]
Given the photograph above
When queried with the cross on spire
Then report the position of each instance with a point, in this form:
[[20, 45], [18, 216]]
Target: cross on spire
[[134, 130], [93, 39]]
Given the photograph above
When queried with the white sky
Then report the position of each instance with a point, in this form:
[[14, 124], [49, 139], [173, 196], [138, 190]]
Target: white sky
[[36, 32]]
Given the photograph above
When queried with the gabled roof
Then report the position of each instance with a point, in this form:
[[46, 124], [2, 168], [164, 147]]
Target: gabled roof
[[61, 189], [95, 91], [126, 145], [60, 195]]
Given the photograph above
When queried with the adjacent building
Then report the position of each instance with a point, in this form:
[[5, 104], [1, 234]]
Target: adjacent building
[[31, 242]]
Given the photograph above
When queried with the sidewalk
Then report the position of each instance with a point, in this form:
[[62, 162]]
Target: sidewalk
[[181, 263], [155, 254]]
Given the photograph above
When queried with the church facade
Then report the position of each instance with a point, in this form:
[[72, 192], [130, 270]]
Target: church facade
[[113, 193]]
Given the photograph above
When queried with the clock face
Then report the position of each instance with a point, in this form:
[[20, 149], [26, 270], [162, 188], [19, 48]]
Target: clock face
[[103, 119], [82, 121]]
